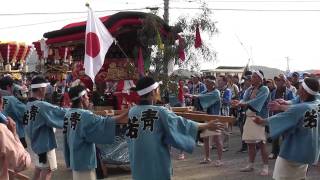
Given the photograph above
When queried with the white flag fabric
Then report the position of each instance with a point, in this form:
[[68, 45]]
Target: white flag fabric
[[98, 41]]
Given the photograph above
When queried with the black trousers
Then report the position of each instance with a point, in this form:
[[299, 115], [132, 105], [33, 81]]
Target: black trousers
[[276, 146], [99, 171], [241, 122], [23, 142]]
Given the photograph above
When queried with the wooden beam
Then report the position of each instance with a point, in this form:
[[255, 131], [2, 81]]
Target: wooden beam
[[194, 112], [205, 117], [193, 115], [69, 43], [182, 109], [109, 112], [102, 108]]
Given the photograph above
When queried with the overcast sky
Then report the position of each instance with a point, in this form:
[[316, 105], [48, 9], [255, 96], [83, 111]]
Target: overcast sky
[[268, 36]]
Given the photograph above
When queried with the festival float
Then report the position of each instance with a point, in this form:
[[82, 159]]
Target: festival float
[[135, 32], [13, 58], [126, 60]]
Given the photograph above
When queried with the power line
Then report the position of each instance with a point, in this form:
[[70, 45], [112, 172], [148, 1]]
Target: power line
[[134, 9], [61, 20], [66, 12], [39, 13], [263, 1], [180, 8], [45, 22], [257, 10]]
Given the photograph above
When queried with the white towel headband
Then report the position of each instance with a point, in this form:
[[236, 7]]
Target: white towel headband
[[148, 89]]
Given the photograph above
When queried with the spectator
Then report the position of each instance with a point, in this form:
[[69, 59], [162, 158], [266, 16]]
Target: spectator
[[235, 94], [241, 111], [226, 95], [305, 75], [197, 86], [233, 87], [188, 100], [236, 81], [271, 85], [98, 96], [295, 80], [290, 86], [281, 92]]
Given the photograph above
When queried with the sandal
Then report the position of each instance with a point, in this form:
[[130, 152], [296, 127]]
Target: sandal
[[205, 161], [218, 163], [247, 169], [181, 156], [264, 172], [272, 156]]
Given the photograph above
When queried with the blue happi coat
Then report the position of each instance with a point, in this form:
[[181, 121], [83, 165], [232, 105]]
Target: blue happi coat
[[297, 100], [260, 102], [3, 118], [300, 127], [151, 130], [41, 117], [210, 101], [15, 109], [82, 129]]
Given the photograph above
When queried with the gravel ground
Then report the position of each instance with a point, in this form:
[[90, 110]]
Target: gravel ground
[[190, 167]]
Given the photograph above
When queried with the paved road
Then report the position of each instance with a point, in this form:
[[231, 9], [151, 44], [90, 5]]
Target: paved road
[[190, 168]]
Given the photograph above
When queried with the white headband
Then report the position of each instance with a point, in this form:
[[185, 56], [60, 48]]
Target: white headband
[[284, 76], [259, 74], [80, 95], [306, 88], [35, 86], [148, 89], [212, 81]]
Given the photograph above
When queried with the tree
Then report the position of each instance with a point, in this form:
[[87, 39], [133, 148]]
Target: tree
[[185, 27], [160, 55], [207, 27]]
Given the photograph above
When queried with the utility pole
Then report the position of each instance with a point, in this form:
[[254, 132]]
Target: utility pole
[[166, 11], [166, 20], [288, 62], [165, 52]]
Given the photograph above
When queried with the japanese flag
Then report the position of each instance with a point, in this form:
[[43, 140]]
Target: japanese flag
[[98, 41]]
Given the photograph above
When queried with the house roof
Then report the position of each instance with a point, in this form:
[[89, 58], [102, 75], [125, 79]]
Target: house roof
[[230, 67]]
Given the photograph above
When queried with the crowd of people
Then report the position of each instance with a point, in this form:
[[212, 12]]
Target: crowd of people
[[246, 98], [283, 109]]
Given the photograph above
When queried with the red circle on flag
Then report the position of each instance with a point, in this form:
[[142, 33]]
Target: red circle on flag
[[92, 44]]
